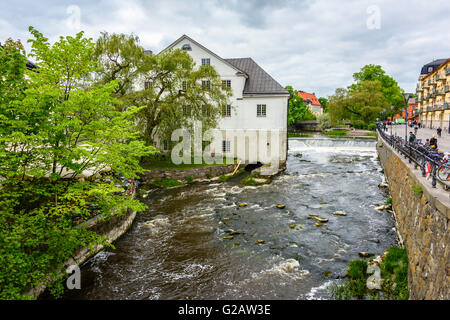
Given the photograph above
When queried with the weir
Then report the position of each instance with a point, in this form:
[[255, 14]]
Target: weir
[[331, 143]]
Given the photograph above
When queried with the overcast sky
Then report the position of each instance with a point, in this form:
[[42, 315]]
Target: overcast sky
[[313, 45]]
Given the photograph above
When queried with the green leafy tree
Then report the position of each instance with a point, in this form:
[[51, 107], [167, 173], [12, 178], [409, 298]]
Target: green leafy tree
[[324, 103], [389, 87], [55, 124], [367, 98], [79, 127], [297, 110]]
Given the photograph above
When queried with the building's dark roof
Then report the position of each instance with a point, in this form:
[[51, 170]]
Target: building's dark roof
[[31, 65], [434, 64], [258, 81]]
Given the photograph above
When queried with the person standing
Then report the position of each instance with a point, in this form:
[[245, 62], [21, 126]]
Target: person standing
[[412, 137], [439, 130]]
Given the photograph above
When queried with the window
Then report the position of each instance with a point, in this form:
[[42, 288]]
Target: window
[[147, 85], [206, 62], [261, 110], [166, 145], [226, 111], [226, 146], [226, 84], [430, 69], [184, 86], [206, 84], [186, 47]]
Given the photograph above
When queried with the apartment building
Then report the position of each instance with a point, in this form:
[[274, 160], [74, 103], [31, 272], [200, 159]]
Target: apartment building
[[434, 95]]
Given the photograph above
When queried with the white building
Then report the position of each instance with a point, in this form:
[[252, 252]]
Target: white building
[[258, 107]]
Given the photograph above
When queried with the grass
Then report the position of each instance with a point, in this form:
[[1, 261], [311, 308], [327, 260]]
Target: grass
[[394, 273], [166, 183], [339, 133], [225, 178], [165, 163], [250, 181], [417, 189], [388, 201], [371, 134]]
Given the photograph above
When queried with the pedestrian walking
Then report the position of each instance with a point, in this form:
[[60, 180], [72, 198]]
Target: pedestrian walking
[[415, 130], [412, 137], [439, 130]]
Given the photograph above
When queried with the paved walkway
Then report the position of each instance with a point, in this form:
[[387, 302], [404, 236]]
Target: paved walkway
[[422, 133]]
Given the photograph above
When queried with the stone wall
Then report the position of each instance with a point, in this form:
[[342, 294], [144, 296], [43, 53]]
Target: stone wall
[[422, 222], [197, 173]]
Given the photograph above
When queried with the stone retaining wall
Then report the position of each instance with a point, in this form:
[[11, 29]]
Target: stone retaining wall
[[197, 173], [423, 225]]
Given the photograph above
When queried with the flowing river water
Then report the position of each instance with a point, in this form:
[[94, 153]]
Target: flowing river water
[[176, 249]]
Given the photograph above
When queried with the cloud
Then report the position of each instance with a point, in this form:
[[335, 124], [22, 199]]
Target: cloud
[[313, 45]]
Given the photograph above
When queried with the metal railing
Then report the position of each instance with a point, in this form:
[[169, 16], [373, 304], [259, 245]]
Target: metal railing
[[415, 153]]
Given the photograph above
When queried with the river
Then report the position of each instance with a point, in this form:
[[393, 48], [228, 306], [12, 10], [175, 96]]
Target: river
[[176, 249]]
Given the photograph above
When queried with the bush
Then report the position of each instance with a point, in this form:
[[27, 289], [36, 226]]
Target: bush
[[324, 121], [189, 179], [359, 124], [372, 127]]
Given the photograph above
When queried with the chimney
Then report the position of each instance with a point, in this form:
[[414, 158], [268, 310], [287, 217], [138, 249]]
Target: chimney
[[148, 52]]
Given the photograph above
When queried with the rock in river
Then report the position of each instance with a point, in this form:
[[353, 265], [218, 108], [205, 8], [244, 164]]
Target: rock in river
[[321, 219], [281, 206], [318, 224], [243, 204], [259, 241], [364, 254], [339, 213]]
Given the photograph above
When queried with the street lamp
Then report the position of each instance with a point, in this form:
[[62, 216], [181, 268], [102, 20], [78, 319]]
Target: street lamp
[[392, 108]]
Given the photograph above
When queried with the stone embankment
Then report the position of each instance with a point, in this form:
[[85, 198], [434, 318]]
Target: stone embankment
[[197, 173], [422, 215]]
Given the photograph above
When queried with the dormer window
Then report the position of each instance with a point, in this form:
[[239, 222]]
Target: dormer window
[[186, 47]]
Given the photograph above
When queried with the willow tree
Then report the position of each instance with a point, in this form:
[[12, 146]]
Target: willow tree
[[175, 94], [121, 58]]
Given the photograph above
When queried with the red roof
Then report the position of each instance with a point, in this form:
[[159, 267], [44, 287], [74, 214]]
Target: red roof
[[305, 96]]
